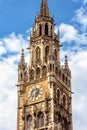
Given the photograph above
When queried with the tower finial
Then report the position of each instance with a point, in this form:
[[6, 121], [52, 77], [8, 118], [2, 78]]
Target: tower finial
[[22, 56], [66, 62], [44, 10]]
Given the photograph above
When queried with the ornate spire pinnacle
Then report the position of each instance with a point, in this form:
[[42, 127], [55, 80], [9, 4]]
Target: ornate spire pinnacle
[[44, 11], [66, 62], [22, 56]]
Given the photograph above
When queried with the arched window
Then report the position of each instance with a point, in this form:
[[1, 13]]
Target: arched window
[[40, 120], [44, 71], [40, 30], [50, 67], [37, 73], [55, 54], [58, 96], [64, 101], [38, 53], [32, 74], [46, 53], [46, 29], [29, 123]]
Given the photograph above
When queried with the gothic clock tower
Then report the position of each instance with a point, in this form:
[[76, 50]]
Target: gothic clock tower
[[44, 86]]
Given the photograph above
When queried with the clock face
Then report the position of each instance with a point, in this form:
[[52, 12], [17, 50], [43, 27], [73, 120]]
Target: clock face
[[35, 92]]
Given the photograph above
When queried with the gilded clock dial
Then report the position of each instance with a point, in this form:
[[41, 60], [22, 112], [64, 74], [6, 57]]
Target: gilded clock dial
[[35, 92]]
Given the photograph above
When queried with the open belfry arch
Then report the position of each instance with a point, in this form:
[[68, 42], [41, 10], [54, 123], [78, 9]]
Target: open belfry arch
[[44, 86]]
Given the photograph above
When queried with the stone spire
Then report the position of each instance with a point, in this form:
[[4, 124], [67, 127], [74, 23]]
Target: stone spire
[[66, 62], [22, 56], [44, 10]]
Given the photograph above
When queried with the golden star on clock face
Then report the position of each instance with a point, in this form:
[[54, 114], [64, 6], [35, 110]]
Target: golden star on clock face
[[35, 92]]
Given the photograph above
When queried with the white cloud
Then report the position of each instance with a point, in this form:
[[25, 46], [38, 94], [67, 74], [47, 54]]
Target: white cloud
[[15, 43], [8, 105], [81, 17], [68, 32], [78, 66], [7, 96], [2, 50], [8, 79], [79, 112], [85, 1]]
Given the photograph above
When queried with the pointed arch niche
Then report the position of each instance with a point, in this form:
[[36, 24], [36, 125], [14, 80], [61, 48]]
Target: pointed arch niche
[[32, 75], [44, 71], [58, 96], [29, 123], [38, 73], [38, 53], [40, 119], [64, 100], [46, 53], [55, 54]]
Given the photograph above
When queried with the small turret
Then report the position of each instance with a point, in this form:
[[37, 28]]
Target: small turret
[[22, 69], [22, 57], [66, 63]]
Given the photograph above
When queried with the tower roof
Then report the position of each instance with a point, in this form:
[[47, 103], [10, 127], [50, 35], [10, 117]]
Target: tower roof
[[44, 10]]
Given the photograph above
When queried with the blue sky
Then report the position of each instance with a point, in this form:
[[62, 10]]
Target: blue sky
[[16, 20], [18, 16]]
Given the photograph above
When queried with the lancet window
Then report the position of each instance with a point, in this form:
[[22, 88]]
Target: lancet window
[[44, 71], [40, 120], [29, 123], [38, 53], [46, 53], [58, 96], [46, 29], [32, 74], [55, 54], [37, 73], [64, 101], [40, 30]]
